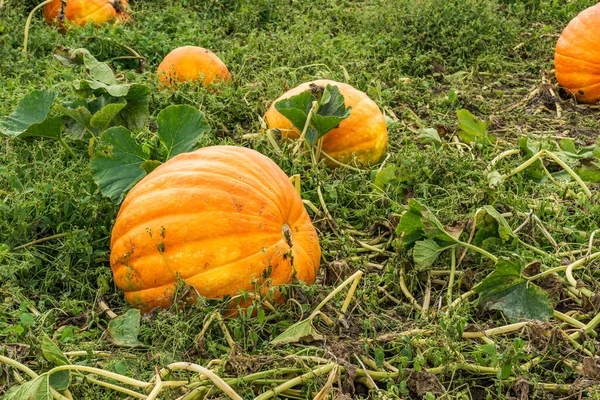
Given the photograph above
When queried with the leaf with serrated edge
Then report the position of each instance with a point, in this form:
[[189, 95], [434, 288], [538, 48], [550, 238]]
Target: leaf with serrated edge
[[180, 128], [124, 329], [116, 164], [33, 109], [102, 119], [296, 108], [302, 331], [426, 252], [81, 117], [504, 229], [36, 389], [521, 302], [59, 380], [99, 70], [430, 136], [470, 128], [507, 290]]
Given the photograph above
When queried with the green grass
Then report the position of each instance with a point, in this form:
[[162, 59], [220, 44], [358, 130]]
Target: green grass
[[410, 57]]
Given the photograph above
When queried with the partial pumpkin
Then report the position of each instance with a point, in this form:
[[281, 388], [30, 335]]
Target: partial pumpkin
[[577, 57], [82, 12], [222, 219], [189, 64], [362, 135]]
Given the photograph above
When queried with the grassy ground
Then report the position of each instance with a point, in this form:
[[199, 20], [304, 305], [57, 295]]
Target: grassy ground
[[421, 61]]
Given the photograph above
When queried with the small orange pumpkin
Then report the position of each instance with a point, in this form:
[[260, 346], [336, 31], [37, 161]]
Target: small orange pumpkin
[[221, 218], [82, 12], [577, 57], [362, 135], [191, 63]]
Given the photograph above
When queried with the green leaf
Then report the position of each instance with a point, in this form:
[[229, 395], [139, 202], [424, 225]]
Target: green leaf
[[50, 128], [529, 148], [296, 108], [91, 86], [504, 230], [180, 128], [508, 291], [331, 111], [596, 150], [81, 115], [124, 329], [99, 70], [472, 129], [116, 164], [506, 274], [387, 176], [36, 389], [521, 302], [302, 331], [589, 171], [418, 222], [568, 145], [494, 179], [102, 119], [410, 227], [426, 252], [32, 110], [59, 380], [430, 136], [135, 114]]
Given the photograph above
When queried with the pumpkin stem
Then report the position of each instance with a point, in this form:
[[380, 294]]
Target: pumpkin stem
[[287, 234]]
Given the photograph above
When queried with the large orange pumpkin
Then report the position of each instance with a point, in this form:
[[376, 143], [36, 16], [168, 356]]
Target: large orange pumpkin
[[577, 57], [362, 135], [191, 63], [82, 12], [223, 219]]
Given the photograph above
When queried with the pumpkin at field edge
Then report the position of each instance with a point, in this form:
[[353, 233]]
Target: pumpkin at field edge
[[577, 57], [223, 219], [189, 64], [362, 135], [82, 12]]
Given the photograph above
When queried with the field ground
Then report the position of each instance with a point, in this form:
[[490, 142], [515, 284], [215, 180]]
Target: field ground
[[421, 61]]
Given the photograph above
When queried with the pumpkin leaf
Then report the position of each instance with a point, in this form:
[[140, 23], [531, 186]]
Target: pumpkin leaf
[[116, 163], [528, 149], [136, 113], [31, 116], [419, 223], [507, 290], [430, 136], [59, 380], [179, 129], [330, 112], [36, 389], [296, 108], [426, 252], [505, 232], [302, 331], [471, 129], [124, 329], [98, 70], [102, 119], [81, 117]]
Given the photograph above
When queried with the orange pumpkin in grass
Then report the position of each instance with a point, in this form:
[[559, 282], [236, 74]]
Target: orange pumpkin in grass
[[82, 12], [362, 135], [577, 57], [220, 218], [191, 63]]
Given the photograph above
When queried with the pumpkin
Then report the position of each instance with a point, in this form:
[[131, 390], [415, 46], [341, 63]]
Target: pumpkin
[[577, 57], [191, 63], [223, 219], [82, 12], [362, 135]]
